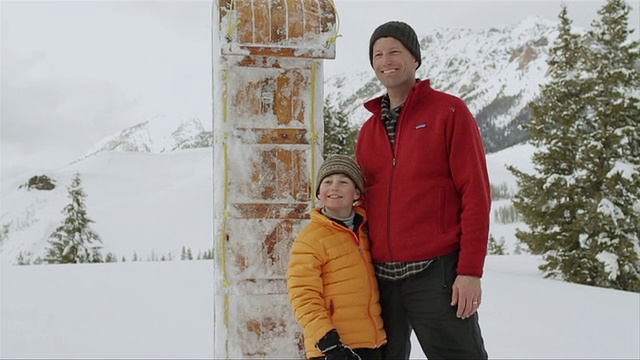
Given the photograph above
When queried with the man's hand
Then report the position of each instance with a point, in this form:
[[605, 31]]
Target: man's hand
[[467, 294]]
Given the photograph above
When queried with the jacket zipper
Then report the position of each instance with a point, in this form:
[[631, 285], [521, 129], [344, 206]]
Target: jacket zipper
[[374, 324], [394, 161], [356, 239], [394, 155]]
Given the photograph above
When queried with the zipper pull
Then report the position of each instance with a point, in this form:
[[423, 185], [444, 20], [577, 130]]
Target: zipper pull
[[394, 161]]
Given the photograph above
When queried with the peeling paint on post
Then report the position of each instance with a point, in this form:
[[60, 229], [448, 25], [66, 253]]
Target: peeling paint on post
[[267, 131]]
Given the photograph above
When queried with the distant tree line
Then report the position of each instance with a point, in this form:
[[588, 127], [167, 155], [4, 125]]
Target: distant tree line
[[74, 242]]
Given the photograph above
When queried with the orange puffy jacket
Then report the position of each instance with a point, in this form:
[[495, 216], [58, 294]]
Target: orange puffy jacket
[[332, 284]]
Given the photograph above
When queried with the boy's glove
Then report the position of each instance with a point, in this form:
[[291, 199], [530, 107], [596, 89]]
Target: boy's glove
[[333, 348]]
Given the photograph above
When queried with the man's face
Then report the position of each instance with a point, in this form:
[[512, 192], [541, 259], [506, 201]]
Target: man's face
[[393, 63]]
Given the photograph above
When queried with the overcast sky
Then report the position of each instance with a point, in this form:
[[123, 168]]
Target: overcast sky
[[75, 72]]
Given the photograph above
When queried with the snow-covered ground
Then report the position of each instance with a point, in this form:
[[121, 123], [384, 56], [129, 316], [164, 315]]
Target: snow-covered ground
[[165, 310]]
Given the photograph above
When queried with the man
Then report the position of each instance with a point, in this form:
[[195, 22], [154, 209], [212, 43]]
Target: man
[[428, 197]]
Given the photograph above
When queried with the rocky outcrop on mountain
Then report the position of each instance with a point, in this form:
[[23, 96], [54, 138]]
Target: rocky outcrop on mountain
[[39, 182]]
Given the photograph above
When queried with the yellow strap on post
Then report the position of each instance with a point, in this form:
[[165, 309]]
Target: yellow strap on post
[[225, 206], [337, 35], [224, 96], [232, 27], [314, 135]]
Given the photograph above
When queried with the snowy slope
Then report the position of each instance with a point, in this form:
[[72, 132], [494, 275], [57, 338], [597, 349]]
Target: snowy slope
[[165, 310], [140, 202]]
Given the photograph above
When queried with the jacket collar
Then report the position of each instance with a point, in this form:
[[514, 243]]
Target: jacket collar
[[375, 105]]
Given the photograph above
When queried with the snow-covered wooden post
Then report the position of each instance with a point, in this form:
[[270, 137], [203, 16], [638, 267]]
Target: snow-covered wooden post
[[267, 131]]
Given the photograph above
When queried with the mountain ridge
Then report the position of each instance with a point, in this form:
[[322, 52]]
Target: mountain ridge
[[496, 71]]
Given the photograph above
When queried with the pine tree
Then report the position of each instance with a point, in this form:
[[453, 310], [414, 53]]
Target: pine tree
[[518, 249], [612, 158], [546, 199], [4, 232], [22, 259], [74, 241], [496, 247], [339, 135], [110, 258], [578, 207]]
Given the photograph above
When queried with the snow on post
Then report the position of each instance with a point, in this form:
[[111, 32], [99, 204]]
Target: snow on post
[[267, 131]]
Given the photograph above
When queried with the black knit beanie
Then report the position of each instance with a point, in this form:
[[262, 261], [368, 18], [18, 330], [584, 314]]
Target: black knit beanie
[[340, 164], [401, 32]]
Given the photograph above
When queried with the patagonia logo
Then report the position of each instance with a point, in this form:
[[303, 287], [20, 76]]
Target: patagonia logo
[[420, 126]]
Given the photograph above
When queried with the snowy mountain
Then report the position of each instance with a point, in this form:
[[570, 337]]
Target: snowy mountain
[[496, 71], [157, 135]]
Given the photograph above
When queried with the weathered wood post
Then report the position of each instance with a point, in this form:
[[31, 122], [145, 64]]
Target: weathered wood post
[[267, 131]]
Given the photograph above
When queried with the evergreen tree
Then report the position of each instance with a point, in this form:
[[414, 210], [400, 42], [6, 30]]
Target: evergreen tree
[[496, 247], [208, 255], [4, 232], [74, 241], [578, 204], [518, 248], [612, 158], [186, 254], [339, 135], [22, 259], [110, 258]]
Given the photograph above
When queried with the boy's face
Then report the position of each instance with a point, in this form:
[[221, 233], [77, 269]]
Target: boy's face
[[337, 193]]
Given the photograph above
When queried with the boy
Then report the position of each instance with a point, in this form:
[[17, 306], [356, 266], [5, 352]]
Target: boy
[[332, 285]]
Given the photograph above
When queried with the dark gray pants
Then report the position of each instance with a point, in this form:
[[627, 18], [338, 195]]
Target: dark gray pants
[[422, 302]]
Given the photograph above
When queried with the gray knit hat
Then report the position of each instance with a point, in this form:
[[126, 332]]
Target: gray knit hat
[[401, 32], [341, 164]]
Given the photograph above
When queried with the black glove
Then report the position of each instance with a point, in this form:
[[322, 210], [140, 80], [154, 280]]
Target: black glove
[[333, 348], [342, 352]]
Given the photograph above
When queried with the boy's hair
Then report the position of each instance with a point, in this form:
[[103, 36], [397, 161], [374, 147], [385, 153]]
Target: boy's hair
[[341, 164]]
